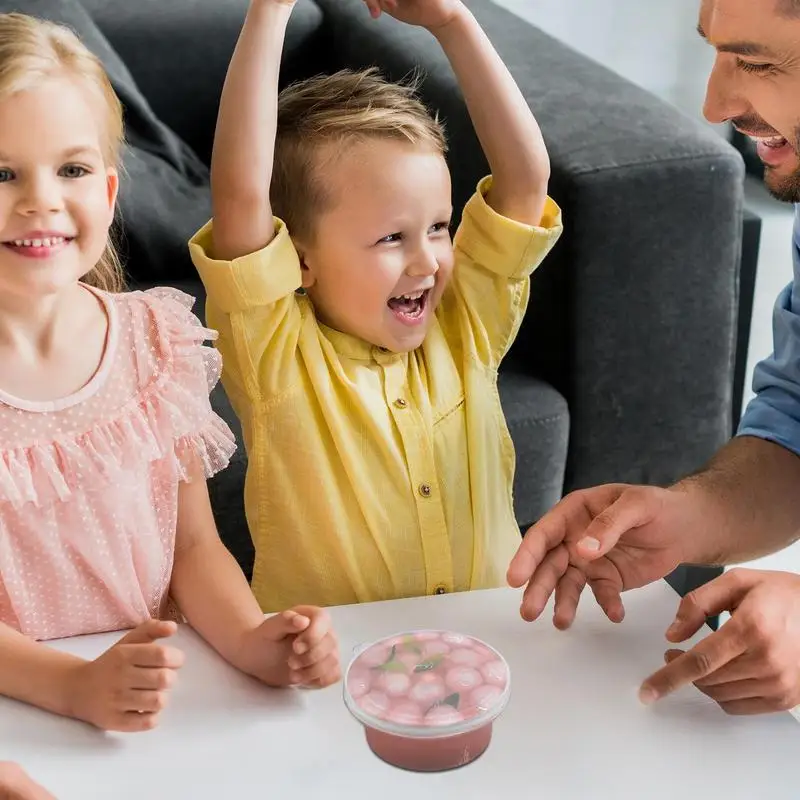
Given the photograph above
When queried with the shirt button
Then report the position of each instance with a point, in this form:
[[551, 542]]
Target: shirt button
[[440, 590], [425, 489], [400, 403]]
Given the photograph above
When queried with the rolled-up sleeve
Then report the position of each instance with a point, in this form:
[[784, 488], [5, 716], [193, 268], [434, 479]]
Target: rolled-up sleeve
[[774, 413]]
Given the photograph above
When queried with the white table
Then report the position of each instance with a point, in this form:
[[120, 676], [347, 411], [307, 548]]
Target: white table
[[573, 728]]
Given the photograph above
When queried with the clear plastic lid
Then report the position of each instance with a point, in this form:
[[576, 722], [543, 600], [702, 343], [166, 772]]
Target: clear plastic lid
[[427, 683]]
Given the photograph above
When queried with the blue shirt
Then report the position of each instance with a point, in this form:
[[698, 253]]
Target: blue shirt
[[774, 413]]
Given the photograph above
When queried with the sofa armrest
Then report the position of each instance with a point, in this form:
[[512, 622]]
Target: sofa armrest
[[632, 317]]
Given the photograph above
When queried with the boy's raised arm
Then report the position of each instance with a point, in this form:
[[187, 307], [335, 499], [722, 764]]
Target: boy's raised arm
[[244, 142], [507, 129]]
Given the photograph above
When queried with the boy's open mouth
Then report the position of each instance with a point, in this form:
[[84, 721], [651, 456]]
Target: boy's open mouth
[[409, 308]]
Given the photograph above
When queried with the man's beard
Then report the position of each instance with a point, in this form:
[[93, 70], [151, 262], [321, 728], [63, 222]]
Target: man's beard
[[786, 189]]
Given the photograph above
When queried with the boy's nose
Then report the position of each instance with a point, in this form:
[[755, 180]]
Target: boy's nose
[[424, 264]]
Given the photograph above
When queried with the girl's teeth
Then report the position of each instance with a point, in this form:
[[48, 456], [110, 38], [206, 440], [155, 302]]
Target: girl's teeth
[[48, 242]]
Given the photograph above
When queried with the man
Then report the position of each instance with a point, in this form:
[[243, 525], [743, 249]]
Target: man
[[746, 502], [16, 785]]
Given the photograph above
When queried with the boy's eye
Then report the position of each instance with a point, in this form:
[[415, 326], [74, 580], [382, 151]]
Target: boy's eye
[[73, 171], [439, 227], [6, 175], [391, 238]]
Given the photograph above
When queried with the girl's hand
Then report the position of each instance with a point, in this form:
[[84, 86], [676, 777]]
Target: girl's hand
[[16, 785], [428, 14], [297, 647], [126, 688]]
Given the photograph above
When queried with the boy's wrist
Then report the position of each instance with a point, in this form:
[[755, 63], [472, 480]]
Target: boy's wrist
[[454, 27]]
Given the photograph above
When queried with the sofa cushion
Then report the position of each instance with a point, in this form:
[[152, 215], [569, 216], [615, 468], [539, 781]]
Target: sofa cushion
[[194, 40], [538, 421], [163, 192]]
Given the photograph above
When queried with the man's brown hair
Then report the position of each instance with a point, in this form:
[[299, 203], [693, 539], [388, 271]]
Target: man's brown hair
[[338, 109]]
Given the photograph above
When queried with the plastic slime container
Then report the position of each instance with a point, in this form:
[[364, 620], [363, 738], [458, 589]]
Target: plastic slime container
[[427, 699]]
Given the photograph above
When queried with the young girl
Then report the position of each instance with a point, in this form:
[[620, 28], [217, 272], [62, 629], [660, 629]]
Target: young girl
[[106, 431]]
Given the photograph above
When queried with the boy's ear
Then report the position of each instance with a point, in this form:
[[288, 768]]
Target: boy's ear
[[306, 271]]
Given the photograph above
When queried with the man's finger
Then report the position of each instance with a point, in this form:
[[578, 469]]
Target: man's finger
[[744, 668], [627, 512], [755, 705], [721, 594], [739, 690], [543, 583], [549, 532], [707, 657], [568, 595], [607, 593]]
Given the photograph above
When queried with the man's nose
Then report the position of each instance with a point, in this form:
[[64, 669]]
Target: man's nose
[[723, 99]]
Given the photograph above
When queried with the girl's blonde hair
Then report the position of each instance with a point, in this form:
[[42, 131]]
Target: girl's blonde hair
[[32, 50]]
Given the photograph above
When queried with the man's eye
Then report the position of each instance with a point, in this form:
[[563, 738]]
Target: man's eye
[[73, 171], [747, 66]]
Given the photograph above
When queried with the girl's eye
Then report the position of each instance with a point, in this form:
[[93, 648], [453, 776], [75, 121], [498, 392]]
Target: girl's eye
[[73, 171], [747, 66], [6, 175]]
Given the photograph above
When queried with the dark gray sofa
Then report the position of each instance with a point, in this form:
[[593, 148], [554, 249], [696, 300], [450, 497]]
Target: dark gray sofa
[[623, 369]]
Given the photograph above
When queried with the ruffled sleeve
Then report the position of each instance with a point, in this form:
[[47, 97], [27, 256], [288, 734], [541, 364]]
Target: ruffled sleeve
[[177, 405], [152, 407]]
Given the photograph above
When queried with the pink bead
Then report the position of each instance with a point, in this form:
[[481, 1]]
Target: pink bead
[[485, 697], [395, 683], [436, 648], [462, 679], [375, 703], [443, 715], [358, 683], [495, 672], [374, 656], [469, 658], [405, 713], [426, 636], [455, 639], [428, 690]]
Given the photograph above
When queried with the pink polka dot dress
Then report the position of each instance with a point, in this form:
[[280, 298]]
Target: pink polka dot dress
[[89, 483]]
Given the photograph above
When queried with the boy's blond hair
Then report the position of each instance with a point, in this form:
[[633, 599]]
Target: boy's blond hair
[[32, 50], [338, 109]]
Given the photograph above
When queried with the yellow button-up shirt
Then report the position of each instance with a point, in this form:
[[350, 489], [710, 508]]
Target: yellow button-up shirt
[[375, 475]]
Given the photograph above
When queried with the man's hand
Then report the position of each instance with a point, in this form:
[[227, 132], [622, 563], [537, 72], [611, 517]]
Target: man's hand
[[616, 537], [751, 665], [16, 785], [126, 688], [295, 648], [430, 14]]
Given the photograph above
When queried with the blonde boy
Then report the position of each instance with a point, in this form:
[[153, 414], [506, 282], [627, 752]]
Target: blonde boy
[[361, 345]]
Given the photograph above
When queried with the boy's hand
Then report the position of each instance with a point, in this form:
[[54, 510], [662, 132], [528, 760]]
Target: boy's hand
[[425, 13], [297, 647], [126, 688]]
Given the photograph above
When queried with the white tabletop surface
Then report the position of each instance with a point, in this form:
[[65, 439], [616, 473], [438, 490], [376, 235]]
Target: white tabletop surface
[[573, 727]]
